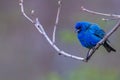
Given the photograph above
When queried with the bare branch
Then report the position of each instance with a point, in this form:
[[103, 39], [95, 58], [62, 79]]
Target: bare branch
[[40, 28], [57, 19], [98, 13]]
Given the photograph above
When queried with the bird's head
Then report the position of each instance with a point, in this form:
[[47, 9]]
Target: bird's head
[[82, 26]]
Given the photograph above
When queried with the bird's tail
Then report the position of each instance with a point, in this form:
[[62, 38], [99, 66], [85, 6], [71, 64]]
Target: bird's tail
[[108, 47]]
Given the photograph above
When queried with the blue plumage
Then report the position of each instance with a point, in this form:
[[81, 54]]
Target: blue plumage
[[89, 34]]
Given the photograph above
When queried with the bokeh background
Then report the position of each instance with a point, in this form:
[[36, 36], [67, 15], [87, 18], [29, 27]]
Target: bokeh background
[[26, 55]]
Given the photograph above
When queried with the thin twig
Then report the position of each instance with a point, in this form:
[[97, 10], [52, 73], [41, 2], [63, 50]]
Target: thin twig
[[22, 10], [40, 28], [98, 13], [57, 19], [104, 19]]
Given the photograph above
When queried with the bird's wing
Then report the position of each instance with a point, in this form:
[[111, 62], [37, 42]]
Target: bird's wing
[[97, 31]]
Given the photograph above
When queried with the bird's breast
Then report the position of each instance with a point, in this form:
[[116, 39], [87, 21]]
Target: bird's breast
[[87, 39]]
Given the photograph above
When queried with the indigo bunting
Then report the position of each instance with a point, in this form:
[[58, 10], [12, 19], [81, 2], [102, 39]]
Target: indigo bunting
[[89, 34]]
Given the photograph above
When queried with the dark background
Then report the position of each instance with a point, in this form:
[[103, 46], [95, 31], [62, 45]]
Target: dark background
[[26, 55]]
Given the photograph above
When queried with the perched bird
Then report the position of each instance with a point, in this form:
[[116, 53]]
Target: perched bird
[[89, 34]]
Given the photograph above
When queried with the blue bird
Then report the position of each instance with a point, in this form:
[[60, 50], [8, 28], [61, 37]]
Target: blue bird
[[89, 34]]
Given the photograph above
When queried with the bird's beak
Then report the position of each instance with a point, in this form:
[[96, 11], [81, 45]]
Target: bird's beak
[[77, 30]]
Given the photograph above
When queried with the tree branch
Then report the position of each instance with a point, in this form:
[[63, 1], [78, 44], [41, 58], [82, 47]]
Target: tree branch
[[40, 28]]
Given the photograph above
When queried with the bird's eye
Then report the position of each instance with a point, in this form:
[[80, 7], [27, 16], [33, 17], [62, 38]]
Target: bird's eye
[[78, 30]]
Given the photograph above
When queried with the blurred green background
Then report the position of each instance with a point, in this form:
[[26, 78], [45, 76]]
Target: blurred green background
[[26, 55]]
